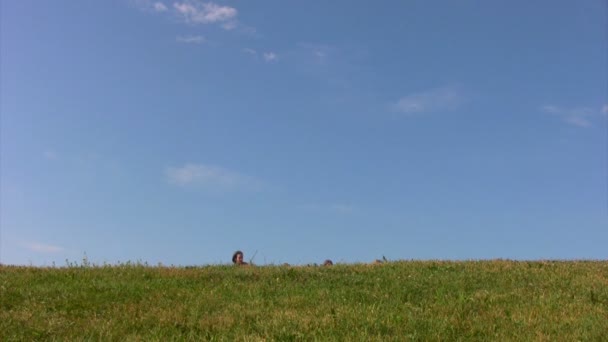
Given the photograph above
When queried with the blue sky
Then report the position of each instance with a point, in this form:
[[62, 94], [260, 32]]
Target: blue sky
[[180, 131]]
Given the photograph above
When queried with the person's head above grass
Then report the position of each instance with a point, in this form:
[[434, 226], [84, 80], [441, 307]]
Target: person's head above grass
[[237, 258]]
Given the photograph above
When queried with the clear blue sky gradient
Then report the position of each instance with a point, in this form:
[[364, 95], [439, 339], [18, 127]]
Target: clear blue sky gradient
[[180, 131]]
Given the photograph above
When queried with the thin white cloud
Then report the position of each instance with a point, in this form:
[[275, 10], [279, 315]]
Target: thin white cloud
[[197, 12], [439, 99], [190, 39], [149, 5], [578, 116], [270, 57], [43, 248], [605, 109], [316, 53], [248, 30], [229, 25], [160, 7], [550, 109], [250, 51], [578, 121], [209, 176]]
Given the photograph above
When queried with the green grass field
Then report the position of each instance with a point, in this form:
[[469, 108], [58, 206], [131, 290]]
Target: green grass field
[[406, 300]]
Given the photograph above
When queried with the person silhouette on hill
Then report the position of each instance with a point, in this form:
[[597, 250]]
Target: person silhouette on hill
[[237, 259], [328, 263]]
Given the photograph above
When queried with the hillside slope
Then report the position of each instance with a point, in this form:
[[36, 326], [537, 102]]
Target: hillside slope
[[405, 300]]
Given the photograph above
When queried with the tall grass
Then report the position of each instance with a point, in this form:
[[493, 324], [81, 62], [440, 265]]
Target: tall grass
[[409, 300]]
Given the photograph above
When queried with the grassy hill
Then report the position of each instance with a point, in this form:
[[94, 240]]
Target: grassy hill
[[407, 300]]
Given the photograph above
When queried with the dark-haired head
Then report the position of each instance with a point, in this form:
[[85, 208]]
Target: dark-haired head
[[237, 258]]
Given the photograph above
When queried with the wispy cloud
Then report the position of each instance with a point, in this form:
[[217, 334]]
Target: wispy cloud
[[250, 51], [434, 100], [578, 116], [230, 25], [317, 53], [190, 39], [270, 57], [43, 248], [320, 54], [210, 176], [197, 12], [160, 7], [149, 5]]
